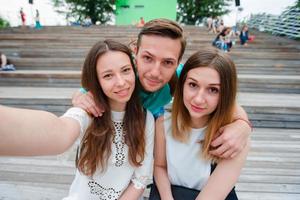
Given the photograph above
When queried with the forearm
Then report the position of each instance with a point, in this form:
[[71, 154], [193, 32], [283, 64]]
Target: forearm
[[163, 183], [131, 193], [239, 112], [224, 176], [31, 132]]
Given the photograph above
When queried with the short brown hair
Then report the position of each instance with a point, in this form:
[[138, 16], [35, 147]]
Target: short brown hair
[[223, 114], [164, 28]]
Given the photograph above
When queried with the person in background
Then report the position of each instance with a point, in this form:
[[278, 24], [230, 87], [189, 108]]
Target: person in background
[[87, 22], [37, 20], [221, 26], [23, 17], [222, 41], [5, 66], [244, 36], [209, 22], [141, 23], [204, 101]]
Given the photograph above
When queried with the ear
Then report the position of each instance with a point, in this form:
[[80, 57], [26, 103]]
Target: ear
[[134, 49]]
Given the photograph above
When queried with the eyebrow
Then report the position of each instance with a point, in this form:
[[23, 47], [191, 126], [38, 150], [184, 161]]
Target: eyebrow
[[169, 59], [109, 70], [218, 84]]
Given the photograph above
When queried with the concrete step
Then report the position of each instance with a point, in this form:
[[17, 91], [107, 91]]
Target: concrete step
[[81, 52], [272, 165], [63, 78]]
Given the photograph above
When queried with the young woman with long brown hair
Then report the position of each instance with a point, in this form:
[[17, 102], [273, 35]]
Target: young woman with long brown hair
[[116, 150]]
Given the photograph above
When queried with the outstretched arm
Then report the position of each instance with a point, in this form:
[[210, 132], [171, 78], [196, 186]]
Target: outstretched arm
[[224, 177], [233, 137], [26, 132]]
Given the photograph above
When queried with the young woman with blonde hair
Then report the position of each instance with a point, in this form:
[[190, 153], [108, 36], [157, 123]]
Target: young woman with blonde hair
[[204, 101]]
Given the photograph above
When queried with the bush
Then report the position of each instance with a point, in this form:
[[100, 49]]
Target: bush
[[4, 23]]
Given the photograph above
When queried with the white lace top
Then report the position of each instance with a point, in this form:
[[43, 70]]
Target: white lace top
[[114, 180]]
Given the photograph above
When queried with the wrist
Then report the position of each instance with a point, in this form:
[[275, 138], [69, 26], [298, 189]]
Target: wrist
[[83, 90]]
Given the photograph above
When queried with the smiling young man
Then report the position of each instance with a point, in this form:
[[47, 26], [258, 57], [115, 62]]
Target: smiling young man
[[159, 50]]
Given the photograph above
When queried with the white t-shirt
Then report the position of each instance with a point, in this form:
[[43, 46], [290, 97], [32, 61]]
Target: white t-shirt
[[119, 172], [185, 164]]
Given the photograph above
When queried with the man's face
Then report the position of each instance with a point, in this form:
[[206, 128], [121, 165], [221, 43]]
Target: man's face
[[157, 60]]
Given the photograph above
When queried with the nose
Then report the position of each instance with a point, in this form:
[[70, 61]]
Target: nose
[[120, 81], [200, 97], [155, 70]]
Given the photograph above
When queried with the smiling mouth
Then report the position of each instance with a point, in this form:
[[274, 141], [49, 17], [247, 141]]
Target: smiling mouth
[[153, 82], [198, 109], [123, 93]]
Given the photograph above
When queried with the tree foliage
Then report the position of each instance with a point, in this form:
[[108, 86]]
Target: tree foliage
[[97, 10], [297, 4], [193, 11], [4, 23]]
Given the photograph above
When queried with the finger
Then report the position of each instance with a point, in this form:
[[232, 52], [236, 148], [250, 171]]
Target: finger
[[86, 105], [219, 151], [91, 109], [233, 154], [217, 141], [82, 106], [227, 154], [89, 101], [75, 96], [92, 101], [218, 133]]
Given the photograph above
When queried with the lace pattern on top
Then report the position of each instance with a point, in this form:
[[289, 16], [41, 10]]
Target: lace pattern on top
[[119, 142], [102, 192]]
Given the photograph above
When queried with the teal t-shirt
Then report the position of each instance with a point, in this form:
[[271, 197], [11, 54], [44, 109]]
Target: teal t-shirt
[[155, 101]]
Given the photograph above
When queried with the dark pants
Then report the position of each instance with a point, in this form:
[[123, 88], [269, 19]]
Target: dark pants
[[183, 193]]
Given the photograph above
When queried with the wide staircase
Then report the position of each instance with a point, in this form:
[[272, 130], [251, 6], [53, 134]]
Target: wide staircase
[[48, 63]]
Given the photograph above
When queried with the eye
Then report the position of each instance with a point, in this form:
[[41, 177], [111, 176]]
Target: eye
[[213, 90], [147, 58], [107, 76], [192, 85], [168, 63], [127, 69]]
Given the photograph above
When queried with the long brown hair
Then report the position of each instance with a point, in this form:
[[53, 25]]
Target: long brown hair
[[95, 147], [223, 114]]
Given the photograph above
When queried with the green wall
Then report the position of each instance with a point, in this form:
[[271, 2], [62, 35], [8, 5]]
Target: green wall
[[129, 11]]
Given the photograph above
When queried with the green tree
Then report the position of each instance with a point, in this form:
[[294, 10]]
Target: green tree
[[192, 12], [97, 10], [297, 4], [4, 23]]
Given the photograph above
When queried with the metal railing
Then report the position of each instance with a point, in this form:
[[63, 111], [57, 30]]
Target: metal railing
[[287, 24]]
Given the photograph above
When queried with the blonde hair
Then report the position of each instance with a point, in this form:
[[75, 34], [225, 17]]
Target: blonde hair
[[223, 114]]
